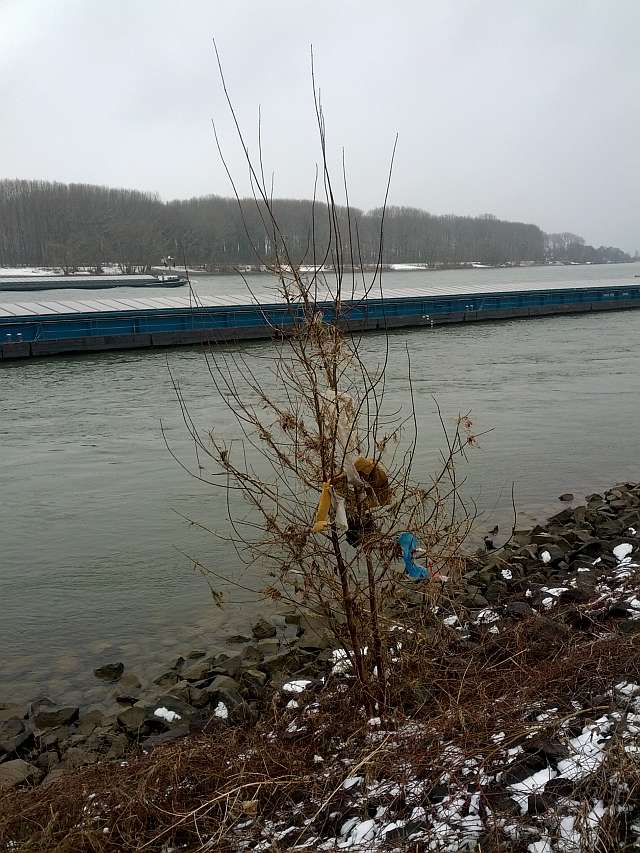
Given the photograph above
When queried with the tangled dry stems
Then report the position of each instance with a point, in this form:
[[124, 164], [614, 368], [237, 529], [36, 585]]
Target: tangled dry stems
[[193, 794]]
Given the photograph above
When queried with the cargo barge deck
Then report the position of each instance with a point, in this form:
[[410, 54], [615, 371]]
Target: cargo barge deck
[[86, 324]]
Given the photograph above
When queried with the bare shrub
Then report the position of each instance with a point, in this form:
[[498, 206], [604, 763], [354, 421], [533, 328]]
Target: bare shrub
[[319, 474]]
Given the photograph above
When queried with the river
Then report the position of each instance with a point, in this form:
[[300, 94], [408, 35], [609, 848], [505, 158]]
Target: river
[[96, 560]]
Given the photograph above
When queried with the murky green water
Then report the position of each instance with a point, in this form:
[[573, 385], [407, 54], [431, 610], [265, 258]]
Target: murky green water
[[95, 561]]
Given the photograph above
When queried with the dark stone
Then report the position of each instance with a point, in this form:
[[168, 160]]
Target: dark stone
[[195, 654], [560, 787], [223, 682], [172, 703], [40, 704], [11, 712], [285, 661], [76, 757], [618, 504], [135, 720], [90, 721], [168, 679], [128, 690], [522, 537], [53, 737], [567, 497], [563, 517], [109, 672], [181, 690], [178, 663], [254, 677], [18, 772], [101, 738], [544, 538], [73, 740], [240, 712], [493, 592], [198, 671], [263, 629], [550, 750], [290, 632], [574, 596], [474, 601], [118, 746], [50, 718], [500, 802], [519, 609], [198, 697], [547, 630], [53, 776], [13, 735], [523, 768], [538, 803], [437, 793], [629, 626], [236, 639], [234, 664], [266, 648], [172, 735], [46, 761], [618, 611]]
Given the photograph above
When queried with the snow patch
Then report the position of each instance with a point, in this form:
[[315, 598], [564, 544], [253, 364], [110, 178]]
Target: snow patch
[[166, 714], [531, 785], [221, 711], [622, 551], [296, 686]]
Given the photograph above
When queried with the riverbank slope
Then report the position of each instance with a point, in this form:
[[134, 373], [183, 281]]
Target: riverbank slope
[[512, 724]]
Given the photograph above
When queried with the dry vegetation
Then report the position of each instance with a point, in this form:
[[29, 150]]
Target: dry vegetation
[[213, 791]]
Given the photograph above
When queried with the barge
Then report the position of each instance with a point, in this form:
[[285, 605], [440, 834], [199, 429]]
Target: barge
[[20, 283], [42, 328]]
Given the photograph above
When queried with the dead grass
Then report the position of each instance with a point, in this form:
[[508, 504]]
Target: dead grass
[[192, 794]]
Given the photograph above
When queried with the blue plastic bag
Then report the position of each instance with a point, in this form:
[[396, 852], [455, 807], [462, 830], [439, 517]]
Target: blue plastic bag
[[409, 545]]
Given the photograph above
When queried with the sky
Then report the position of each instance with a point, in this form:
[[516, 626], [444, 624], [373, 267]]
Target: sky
[[526, 109]]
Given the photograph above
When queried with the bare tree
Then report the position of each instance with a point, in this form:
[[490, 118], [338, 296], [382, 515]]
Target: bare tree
[[318, 474]]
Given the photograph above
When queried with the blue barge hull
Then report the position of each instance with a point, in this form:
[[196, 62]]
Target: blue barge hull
[[33, 334]]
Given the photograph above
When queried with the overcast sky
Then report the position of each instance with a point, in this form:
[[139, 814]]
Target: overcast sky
[[527, 109]]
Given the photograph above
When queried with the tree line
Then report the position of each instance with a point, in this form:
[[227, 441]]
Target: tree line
[[45, 223]]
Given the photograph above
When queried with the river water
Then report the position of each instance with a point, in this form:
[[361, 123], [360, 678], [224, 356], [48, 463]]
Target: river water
[[97, 550]]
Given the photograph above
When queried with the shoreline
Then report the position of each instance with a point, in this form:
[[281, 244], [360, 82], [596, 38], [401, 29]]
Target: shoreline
[[52, 738], [215, 641], [253, 269]]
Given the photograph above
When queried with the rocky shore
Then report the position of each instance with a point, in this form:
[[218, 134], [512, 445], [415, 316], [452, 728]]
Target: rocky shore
[[564, 595], [40, 740], [561, 562]]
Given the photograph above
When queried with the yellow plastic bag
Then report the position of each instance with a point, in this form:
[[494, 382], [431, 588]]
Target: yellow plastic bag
[[322, 513]]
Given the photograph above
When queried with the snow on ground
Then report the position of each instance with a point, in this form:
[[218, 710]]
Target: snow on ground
[[28, 271], [296, 686], [408, 267], [409, 812], [221, 711], [455, 810], [466, 797], [623, 550]]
